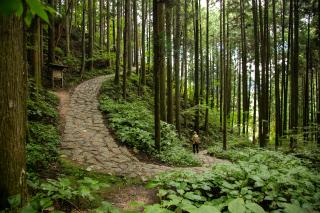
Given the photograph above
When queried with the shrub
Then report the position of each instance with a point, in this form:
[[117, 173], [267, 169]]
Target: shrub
[[43, 136], [42, 145], [133, 126], [265, 181]]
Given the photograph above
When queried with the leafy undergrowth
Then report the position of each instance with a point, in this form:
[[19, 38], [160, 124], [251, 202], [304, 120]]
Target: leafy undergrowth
[[43, 136], [258, 181], [74, 78], [103, 62], [53, 185], [74, 189], [133, 125]]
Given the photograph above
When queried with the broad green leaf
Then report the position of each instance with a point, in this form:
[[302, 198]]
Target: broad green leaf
[[228, 185], [14, 201], [192, 196], [180, 191], [291, 208], [28, 209], [45, 203], [9, 7], [237, 206], [37, 8], [187, 207], [162, 193], [206, 209], [255, 208], [156, 209]]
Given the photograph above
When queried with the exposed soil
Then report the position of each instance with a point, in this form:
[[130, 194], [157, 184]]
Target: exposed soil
[[123, 196], [64, 97]]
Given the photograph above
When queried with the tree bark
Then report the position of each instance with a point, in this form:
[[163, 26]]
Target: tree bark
[[13, 87], [196, 68], [277, 76], [177, 65], [136, 42], [245, 103], [169, 61], [118, 48], [207, 70], [163, 110], [294, 75], [225, 86], [159, 59], [36, 53], [67, 26], [91, 29], [306, 86], [143, 43], [51, 32], [101, 16], [108, 25], [83, 38]]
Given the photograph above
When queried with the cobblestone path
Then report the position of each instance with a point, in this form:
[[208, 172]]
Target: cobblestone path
[[88, 142]]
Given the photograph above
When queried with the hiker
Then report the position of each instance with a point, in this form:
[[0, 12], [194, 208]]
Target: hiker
[[195, 142]]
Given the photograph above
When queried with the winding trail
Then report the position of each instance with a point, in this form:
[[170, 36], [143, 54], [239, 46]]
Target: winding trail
[[88, 142]]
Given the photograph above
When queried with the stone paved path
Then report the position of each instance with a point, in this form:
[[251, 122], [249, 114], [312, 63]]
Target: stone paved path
[[87, 141]]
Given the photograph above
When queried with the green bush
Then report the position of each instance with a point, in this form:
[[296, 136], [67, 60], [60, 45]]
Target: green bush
[[264, 181], [43, 136], [134, 126], [41, 105], [67, 194], [42, 145]]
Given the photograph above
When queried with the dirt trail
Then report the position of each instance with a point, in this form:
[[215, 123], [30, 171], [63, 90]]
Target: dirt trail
[[88, 142]]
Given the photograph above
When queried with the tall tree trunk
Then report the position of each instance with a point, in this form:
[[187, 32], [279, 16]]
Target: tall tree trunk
[[196, 68], [283, 64], [185, 50], [126, 44], [225, 81], [221, 67], [318, 72], [159, 58], [169, 61], [207, 71], [149, 35], [289, 59], [201, 55], [101, 20], [163, 110], [136, 44], [239, 96], [51, 32], [306, 86], [91, 34], [67, 26], [13, 87], [177, 42], [83, 38], [129, 44], [108, 25], [294, 75], [118, 48], [263, 102], [113, 25], [35, 52], [277, 74], [245, 104], [143, 43]]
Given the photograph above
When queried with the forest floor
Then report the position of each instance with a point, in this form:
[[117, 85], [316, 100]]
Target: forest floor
[[87, 141]]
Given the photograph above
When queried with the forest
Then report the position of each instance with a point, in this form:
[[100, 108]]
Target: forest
[[160, 106]]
